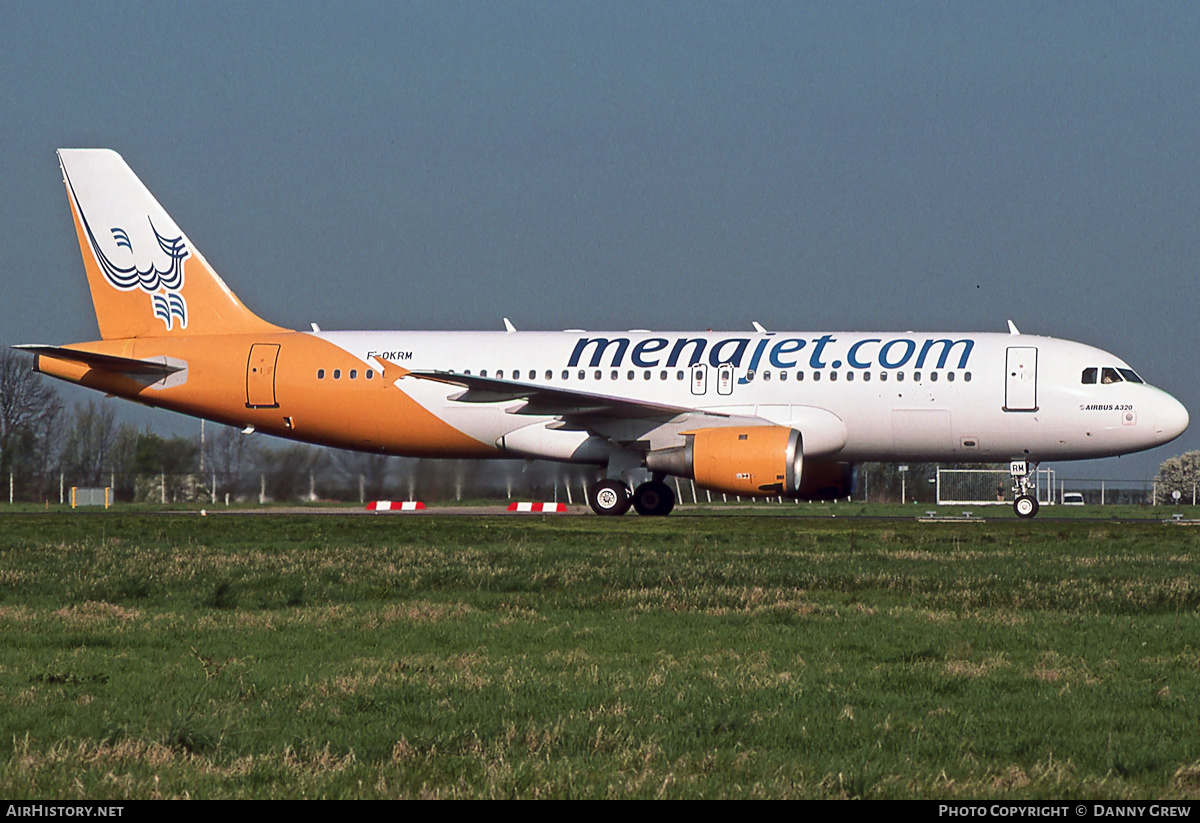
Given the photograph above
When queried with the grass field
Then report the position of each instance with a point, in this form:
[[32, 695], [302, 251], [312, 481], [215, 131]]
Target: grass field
[[352, 656]]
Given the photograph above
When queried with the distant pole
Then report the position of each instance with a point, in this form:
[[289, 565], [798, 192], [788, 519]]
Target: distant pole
[[10, 488], [162, 481], [362, 488], [213, 496], [201, 445], [61, 489], [262, 489], [567, 486], [1102, 492]]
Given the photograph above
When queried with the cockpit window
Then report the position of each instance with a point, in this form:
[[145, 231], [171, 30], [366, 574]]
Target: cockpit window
[[1131, 375], [1089, 375], [1109, 376]]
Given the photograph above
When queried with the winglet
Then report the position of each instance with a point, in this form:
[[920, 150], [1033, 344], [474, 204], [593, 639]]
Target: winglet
[[1012, 328], [509, 328], [758, 327]]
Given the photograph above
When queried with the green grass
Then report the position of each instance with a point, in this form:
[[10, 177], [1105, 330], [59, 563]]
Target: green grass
[[356, 656]]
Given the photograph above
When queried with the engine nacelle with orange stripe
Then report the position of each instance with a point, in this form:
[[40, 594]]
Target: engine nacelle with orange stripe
[[752, 460]]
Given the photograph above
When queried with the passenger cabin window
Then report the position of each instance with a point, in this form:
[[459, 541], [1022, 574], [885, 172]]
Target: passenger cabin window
[[337, 374], [1089, 376], [320, 374], [354, 374]]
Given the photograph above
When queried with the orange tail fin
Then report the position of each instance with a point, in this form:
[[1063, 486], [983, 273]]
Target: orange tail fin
[[146, 277]]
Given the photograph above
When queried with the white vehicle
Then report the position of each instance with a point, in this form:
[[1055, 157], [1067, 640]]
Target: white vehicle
[[749, 413], [1072, 499]]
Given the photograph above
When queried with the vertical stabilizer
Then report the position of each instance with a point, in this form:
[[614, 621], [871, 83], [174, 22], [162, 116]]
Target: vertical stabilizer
[[146, 277]]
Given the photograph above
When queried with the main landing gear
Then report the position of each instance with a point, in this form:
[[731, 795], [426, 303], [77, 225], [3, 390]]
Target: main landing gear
[[1025, 504], [612, 497]]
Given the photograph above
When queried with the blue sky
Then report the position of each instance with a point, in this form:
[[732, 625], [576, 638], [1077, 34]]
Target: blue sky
[[812, 166]]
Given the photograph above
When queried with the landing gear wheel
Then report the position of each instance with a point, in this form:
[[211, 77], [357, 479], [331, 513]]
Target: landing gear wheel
[[1025, 506], [609, 497], [653, 499]]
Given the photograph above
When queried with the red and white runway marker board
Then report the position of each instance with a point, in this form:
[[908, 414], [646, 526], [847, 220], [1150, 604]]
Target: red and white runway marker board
[[395, 506], [544, 508]]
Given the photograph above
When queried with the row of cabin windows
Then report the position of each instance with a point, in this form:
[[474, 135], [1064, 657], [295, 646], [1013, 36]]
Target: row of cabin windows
[[1108, 375], [648, 374], [598, 374], [369, 374]]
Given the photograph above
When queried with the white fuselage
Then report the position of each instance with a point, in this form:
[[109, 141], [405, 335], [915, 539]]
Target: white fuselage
[[855, 396]]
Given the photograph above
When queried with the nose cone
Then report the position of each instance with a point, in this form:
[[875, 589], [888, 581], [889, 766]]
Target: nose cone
[[1171, 419]]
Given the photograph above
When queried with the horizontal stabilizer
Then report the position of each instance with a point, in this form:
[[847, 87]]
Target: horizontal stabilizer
[[104, 362]]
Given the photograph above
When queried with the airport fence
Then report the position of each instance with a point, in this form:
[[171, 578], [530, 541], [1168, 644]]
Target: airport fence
[[465, 480]]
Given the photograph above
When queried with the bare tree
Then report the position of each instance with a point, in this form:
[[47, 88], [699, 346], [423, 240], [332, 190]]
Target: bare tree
[[29, 412], [90, 438]]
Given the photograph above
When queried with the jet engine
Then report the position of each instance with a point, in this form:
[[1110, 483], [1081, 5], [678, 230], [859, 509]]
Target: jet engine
[[753, 460]]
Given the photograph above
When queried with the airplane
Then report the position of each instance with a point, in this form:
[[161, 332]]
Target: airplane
[[758, 414]]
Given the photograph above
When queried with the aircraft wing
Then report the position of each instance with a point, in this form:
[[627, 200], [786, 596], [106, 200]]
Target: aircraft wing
[[104, 362], [548, 400]]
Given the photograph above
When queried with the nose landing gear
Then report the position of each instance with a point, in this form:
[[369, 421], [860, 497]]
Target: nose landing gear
[[1024, 504]]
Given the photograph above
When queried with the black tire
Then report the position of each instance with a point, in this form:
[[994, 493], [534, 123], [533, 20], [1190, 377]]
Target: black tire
[[609, 498], [1025, 506], [653, 499]]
